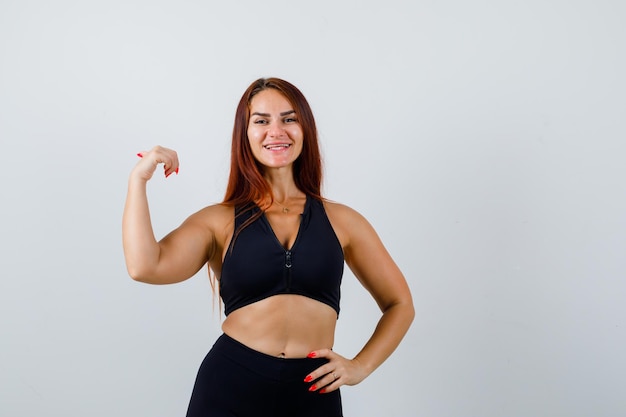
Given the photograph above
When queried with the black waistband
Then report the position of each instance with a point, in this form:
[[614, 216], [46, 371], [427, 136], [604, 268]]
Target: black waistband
[[281, 369]]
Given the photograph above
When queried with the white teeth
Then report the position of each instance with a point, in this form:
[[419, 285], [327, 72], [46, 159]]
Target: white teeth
[[276, 146]]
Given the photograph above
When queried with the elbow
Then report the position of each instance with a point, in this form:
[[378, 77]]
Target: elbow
[[152, 275], [411, 313], [408, 311], [407, 301], [136, 277], [138, 274]]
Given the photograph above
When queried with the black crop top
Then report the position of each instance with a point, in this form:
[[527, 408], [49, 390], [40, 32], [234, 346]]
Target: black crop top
[[257, 265]]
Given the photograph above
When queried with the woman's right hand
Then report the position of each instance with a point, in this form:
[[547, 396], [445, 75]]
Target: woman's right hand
[[151, 159]]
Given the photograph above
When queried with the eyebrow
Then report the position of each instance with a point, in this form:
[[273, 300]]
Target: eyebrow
[[285, 113]]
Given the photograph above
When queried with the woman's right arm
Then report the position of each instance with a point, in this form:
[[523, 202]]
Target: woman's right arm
[[182, 252]]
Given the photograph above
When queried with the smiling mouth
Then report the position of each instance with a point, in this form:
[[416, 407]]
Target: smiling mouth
[[277, 146]]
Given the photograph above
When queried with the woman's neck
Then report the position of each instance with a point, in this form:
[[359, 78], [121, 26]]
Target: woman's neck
[[282, 184]]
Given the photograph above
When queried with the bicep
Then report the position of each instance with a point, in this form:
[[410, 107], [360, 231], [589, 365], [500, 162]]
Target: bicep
[[184, 251]]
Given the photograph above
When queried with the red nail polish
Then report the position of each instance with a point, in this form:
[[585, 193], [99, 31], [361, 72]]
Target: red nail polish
[[167, 175], [308, 379], [176, 171], [311, 355], [323, 391], [313, 388], [140, 155]]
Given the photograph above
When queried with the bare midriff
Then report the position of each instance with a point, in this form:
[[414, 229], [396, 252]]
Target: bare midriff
[[286, 325]]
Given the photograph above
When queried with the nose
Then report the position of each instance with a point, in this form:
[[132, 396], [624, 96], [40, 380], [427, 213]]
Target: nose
[[276, 130]]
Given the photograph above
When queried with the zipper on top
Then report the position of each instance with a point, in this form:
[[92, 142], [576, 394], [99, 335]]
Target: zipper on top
[[288, 269], [288, 252]]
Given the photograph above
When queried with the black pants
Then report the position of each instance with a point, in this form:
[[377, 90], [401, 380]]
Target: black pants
[[235, 380]]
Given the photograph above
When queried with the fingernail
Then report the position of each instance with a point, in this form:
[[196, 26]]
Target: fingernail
[[308, 379], [313, 388], [167, 175], [176, 171], [140, 155], [323, 391], [311, 355]]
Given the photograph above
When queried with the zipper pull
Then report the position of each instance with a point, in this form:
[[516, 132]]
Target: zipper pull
[[288, 259]]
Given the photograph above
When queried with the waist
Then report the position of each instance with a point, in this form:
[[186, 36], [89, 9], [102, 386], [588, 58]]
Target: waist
[[287, 326]]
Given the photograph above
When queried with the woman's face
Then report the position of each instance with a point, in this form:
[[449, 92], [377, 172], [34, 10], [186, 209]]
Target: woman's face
[[274, 132]]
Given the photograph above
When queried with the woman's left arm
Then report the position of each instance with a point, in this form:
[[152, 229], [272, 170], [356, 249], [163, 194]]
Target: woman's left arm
[[370, 262]]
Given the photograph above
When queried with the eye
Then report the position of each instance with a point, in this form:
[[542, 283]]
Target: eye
[[260, 122], [291, 120]]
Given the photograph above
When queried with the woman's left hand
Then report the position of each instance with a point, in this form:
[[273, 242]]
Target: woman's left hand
[[337, 372]]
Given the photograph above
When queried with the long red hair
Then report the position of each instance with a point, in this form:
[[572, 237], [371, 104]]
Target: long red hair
[[246, 183]]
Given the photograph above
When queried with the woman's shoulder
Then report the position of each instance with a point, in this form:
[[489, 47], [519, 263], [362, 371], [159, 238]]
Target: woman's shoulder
[[215, 216], [216, 209], [348, 223], [341, 212]]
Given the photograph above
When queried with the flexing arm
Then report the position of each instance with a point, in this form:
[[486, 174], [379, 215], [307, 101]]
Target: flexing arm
[[177, 256]]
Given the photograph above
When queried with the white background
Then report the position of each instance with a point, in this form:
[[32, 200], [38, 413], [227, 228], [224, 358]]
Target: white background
[[484, 140]]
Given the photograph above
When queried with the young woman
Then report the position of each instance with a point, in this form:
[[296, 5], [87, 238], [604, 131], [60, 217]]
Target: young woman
[[277, 250]]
